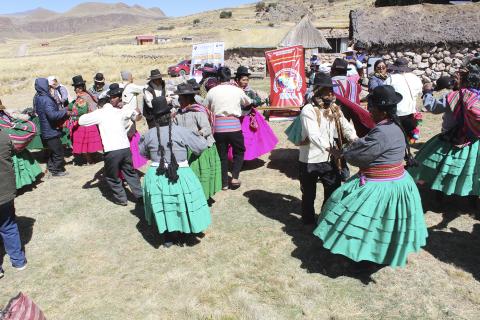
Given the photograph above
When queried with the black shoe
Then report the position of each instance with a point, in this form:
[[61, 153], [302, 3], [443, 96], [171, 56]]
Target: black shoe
[[60, 174], [139, 200], [121, 203]]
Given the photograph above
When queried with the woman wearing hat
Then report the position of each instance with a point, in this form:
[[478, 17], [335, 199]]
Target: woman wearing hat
[[199, 119], [173, 196], [27, 169], [258, 136], [321, 121], [209, 79], [377, 215], [86, 139], [99, 87], [449, 161]]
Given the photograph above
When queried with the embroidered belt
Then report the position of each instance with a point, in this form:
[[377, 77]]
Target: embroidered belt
[[383, 172]]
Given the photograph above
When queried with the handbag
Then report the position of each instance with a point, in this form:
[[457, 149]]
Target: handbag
[[21, 132], [22, 308]]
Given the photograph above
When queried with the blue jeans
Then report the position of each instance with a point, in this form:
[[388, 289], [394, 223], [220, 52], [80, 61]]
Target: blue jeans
[[10, 235]]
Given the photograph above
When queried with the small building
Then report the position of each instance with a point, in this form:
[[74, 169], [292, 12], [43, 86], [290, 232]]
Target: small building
[[187, 38], [163, 40], [338, 38], [434, 37], [145, 39], [307, 35]]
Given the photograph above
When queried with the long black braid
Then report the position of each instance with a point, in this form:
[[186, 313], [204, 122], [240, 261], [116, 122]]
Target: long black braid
[[409, 159], [170, 170]]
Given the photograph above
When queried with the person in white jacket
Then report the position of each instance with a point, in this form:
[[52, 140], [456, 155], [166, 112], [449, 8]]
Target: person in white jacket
[[323, 124]]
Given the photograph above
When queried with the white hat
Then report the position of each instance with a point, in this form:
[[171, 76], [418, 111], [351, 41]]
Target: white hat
[[349, 49], [51, 79]]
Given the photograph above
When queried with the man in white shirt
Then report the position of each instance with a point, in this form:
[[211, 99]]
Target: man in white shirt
[[319, 132], [111, 121], [228, 102], [410, 87]]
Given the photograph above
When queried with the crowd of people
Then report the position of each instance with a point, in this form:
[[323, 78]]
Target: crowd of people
[[199, 129]]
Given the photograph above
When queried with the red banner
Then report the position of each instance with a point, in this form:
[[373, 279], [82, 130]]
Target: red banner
[[287, 76]]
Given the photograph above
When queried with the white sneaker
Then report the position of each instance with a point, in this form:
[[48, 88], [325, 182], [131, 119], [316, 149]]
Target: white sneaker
[[1, 274], [21, 268]]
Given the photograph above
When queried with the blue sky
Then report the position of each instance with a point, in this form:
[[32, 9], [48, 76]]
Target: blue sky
[[171, 8]]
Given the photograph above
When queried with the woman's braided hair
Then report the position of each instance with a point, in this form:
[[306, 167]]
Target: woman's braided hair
[[170, 169], [409, 159]]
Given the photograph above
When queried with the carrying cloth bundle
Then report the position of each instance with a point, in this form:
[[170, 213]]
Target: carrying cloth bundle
[[21, 132], [465, 105], [22, 308]]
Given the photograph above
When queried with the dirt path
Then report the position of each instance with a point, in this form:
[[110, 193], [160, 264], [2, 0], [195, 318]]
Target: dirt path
[[22, 50]]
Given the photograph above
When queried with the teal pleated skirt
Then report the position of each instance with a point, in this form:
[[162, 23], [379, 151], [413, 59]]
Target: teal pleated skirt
[[26, 168], [380, 222], [179, 206], [208, 169], [449, 169], [37, 144], [294, 131]]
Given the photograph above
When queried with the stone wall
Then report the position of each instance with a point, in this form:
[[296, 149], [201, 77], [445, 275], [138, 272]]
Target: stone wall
[[429, 62], [252, 58]]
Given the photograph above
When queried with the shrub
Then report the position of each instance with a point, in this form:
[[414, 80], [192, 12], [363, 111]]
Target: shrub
[[272, 5], [271, 24], [260, 6], [196, 21], [225, 14], [165, 28]]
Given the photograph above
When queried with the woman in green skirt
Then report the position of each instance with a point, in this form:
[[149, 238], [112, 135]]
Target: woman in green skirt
[[449, 162], [195, 117], [173, 196], [377, 215]]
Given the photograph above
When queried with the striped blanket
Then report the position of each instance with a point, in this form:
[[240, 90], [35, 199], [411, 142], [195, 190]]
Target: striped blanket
[[21, 132]]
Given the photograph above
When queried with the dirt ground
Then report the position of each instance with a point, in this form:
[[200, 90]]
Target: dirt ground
[[90, 259]]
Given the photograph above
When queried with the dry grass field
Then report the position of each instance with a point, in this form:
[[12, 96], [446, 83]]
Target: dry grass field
[[90, 259]]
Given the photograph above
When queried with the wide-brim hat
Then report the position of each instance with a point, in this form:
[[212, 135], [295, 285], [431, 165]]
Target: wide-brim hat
[[384, 97], [340, 64], [322, 80], [242, 71], [114, 90], [401, 65], [185, 89], [155, 74], [160, 106], [349, 49], [99, 78], [78, 81], [194, 84]]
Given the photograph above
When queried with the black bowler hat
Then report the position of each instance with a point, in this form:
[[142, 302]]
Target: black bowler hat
[[99, 78], [160, 106], [340, 64], [401, 65], [384, 97], [155, 74], [242, 71], [78, 81], [194, 84], [185, 89], [322, 80], [114, 90]]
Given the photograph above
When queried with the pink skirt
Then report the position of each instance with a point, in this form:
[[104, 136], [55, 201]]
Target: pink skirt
[[137, 159], [86, 139], [258, 141]]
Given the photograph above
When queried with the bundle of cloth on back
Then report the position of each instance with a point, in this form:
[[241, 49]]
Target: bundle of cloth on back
[[324, 128], [58, 91], [50, 120], [129, 100], [8, 225], [27, 169], [259, 138], [174, 198], [86, 139], [199, 119], [228, 102], [345, 87], [449, 161], [209, 79], [155, 88], [377, 215], [112, 121]]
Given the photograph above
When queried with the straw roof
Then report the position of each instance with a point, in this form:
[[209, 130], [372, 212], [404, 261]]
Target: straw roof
[[305, 34], [425, 24]]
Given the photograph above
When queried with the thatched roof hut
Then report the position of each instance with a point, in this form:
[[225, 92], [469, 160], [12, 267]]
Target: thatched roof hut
[[305, 34], [426, 24]]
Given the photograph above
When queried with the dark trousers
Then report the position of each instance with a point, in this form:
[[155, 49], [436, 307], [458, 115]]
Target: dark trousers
[[121, 161], [409, 123], [56, 161], [10, 235], [234, 139], [310, 174]]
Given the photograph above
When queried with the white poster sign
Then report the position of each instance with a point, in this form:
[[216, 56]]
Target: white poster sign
[[202, 53]]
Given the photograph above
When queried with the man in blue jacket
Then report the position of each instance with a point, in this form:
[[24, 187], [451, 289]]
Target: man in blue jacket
[[50, 117], [8, 226]]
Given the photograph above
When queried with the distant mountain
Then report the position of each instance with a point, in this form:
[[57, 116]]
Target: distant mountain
[[85, 17]]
